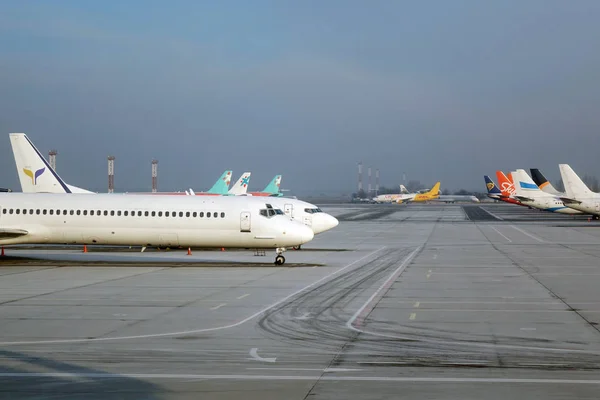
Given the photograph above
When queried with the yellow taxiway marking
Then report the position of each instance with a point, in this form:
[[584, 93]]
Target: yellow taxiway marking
[[413, 316], [244, 295], [417, 304], [217, 307]]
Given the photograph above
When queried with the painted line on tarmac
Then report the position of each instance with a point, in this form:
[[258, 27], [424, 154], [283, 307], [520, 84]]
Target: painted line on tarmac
[[193, 331], [500, 233], [362, 313], [250, 377], [528, 234]]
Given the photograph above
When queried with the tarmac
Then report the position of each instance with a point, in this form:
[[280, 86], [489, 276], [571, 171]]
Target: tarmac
[[398, 302]]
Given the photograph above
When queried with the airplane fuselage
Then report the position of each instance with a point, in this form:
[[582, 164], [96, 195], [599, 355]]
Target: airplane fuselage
[[146, 220]]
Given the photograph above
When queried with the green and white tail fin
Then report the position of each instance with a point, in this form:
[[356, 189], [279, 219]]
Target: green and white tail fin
[[241, 186], [273, 187], [221, 186]]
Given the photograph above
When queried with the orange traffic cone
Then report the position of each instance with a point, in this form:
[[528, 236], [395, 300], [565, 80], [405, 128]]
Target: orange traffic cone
[[189, 251], [85, 248], [222, 248]]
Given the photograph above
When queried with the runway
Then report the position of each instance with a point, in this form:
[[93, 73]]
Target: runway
[[399, 301]]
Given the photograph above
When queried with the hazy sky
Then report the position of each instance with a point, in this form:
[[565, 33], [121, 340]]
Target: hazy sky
[[441, 90]]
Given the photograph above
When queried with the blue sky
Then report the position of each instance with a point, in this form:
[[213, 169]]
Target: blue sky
[[440, 90]]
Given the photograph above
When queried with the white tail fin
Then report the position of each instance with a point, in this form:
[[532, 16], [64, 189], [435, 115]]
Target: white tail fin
[[403, 189], [241, 186], [35, 174], [574, 186], [525, 186]]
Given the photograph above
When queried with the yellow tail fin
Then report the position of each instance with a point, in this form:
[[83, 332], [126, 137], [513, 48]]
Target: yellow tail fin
[[435, 190]]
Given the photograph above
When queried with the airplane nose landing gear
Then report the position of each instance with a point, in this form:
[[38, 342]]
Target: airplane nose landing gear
[[279, 258]]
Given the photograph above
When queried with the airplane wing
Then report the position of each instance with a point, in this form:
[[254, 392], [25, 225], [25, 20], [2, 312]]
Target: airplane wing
[[12, 233], [567, 200], [523, 198]]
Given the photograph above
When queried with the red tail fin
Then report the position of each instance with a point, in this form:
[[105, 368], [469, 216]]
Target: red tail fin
[[505, 184]]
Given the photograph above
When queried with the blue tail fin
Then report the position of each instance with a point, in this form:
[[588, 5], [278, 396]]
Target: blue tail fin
[[492, 189]]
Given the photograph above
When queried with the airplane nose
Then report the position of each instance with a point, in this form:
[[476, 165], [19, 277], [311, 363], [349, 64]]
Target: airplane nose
[[306, 234], [331, 222]]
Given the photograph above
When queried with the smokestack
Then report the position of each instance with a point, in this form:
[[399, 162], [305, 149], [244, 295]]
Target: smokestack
[[111, 174], [376, 181], [154, 176], [369, 173], [52, 158], [360, 176]]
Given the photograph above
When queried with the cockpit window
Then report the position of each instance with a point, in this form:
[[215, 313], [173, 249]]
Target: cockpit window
[[270, 211]]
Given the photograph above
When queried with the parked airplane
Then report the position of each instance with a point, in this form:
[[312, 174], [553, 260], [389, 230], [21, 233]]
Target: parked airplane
[[241, 186], [505, 183], [456, 198], [432, 194], [528, 193], [295, 209], [543, 183], [393, 198], [145, 220], [579, 196]]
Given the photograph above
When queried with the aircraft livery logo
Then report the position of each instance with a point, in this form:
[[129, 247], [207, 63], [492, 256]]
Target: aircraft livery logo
[[490, 185], [244, 181], [32, 175]]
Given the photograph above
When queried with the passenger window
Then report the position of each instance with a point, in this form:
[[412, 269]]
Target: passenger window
[[181, 213], [44, 211], [4, 211], [31, 211], [37, 211], [126, 213], [160, 213], [11, 211], [166, 213], [84, 212], [112, 213], [18, 211], [187, 214], [194, 214], [51, 212], [140, 213], [146, 213], [91, 212], [78, 212], [105, 213], [174, 214], [24, 211], [201, 214], [118, 213], [208, 215], [222, 215]]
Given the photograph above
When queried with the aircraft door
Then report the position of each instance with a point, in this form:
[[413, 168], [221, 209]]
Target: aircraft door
[[597, 206], [245, 222], [288, 209]]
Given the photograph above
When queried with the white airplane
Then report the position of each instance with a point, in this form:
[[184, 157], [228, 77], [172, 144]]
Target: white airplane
[[464, 198], [528, 193], [146, 220], [240, 188], [393, 198], [295, 209], [579, 196]]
